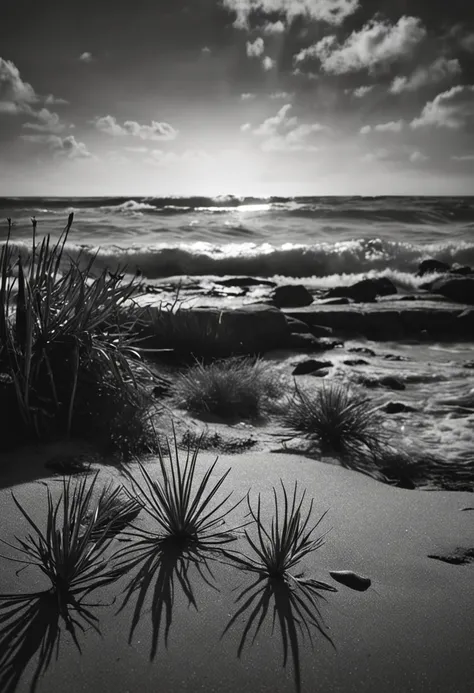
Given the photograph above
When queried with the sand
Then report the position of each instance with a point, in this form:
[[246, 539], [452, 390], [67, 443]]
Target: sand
[[411, 631]]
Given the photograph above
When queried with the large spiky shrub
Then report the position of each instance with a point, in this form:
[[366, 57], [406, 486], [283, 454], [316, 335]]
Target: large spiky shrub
[[341, 421], [65, 347], [181, 503], [234, 388], [71, 549]]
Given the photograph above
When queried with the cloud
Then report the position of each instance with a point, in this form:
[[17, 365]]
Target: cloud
[[206, 50], [329, 11], [190, 157], [54, 101], [256, 49], [86, 57], [15, 94], [46, 122], [156, 131], [283, 95], [268, 63], [463, 157], [360, 92], [441, 69], [273, 28], [450, 109], [67, 147], [467, 43], [282, 132], [418, 157], [377, 45], [381, 154], [248, 96], [392, 126]]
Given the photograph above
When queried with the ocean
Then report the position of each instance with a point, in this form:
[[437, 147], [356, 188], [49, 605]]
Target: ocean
[[320, 242], [324, 240]]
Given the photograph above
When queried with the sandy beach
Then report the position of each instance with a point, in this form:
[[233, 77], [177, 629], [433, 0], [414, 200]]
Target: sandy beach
[[410, 631]]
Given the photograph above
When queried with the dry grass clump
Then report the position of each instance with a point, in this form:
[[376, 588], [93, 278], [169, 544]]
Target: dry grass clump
[[67, 356], [234, 388], [339, 420]]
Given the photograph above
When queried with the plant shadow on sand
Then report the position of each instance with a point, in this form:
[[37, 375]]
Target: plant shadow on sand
[[159, 568], [293, 609], [31, 628]]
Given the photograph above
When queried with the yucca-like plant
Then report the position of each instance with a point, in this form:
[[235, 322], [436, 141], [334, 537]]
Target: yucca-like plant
[[71, 550], [181, 506], [283, 544], [114, 511], [343, 422], [238, 387]]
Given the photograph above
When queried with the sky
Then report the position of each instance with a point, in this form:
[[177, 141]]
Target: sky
[[244, 97]]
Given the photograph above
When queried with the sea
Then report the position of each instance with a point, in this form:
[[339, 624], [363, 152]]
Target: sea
[[194, 242]]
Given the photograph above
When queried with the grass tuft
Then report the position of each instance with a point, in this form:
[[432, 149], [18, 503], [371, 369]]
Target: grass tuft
[[71, 550], [234, 388], [290, 537], [341, 421], [182, 507]]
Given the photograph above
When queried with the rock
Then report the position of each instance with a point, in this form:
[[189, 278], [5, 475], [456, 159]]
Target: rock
[[291, 296], [351, 579], [298, 326], [311, 343], [364, 291], [464, 324], [458, 289], [393, 383], [461, 269], [310, 366], [397, 408], [459, 556], [362, 350], [431, 266], [321, 331], [394, 357], [356, 362], [469, 364], [244, 282], [320, 374], [250, 329]]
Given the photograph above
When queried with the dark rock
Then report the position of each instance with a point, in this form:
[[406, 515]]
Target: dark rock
[[310, 366], [290, 296], [321, 331], [459, 556], [393, 383], [364, 291], [244, 282], [362, 350], [311, 343], [464, 324], [394, 357], [320, 374], [298, 326], [430, 266], [351, 579], [397, 408], [458, 289], [469, 364], [356, 362], [461, 269]]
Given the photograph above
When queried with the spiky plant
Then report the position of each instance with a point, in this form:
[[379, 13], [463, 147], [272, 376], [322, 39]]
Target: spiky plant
[[114, 511], [281, 546], [71, 550], [342, 421], [239, 387], [181, 506]]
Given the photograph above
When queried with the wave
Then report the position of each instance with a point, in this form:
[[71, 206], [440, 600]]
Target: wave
[[297, 261], [377, 210]]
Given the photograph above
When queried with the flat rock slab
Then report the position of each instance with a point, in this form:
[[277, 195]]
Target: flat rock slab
[[386, 319]]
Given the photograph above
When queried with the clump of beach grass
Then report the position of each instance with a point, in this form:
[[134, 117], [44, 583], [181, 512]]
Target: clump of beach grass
[[182, 506], [339, 420], [233, 388], [71, 550], [68, 358], [281, 545]]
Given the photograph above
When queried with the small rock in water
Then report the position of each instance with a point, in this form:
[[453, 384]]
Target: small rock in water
[[395, 357], [397, 408], [356, 362], [310, 366], [392, 383], [351, 579], [463, 510], [362, 350], [459, 556]]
